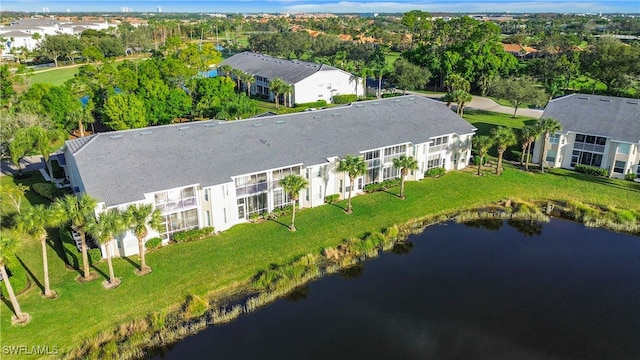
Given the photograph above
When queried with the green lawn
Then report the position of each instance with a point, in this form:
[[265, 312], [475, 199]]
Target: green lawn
[[233, 257]]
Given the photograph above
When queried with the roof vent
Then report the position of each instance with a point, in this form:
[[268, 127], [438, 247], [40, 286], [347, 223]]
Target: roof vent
[[257, 125], [583, 98], [374, 104], [359, 105], [209, 125], [146, 132], [396, 100], [182, 128], [115, 137], [317, 117], [633, 102], [605, 100], [335, 114], [411, 98], [279, 121]]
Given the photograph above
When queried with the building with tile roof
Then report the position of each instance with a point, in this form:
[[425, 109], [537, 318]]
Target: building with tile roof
[[219, 174], [601, 131]]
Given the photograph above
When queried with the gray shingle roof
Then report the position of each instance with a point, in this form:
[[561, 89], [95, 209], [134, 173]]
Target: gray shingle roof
[[290, 71], [118, 167], [618, 118]]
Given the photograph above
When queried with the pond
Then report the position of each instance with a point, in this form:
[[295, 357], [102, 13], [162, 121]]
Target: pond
[[484, 290]]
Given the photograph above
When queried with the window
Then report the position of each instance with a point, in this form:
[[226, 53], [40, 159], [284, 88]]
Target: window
[[393, 152], [624, 149], [340, 185], [206, 195], [588, 150], [435, 160], [586, 158], [254, 204], [208, 217], [390, 172], [224, 214], [372, 176], [438, 144], [554, 139], [551, 156], [619, 167]]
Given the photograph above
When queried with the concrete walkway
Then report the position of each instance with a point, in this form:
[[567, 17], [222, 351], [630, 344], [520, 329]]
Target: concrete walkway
[[29, 163], [483, 103]]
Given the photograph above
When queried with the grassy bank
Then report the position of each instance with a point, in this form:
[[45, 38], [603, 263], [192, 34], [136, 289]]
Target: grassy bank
[[235, 256]]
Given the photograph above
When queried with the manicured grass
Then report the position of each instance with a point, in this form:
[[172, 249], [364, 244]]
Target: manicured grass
[[233, 257], [54, 76]]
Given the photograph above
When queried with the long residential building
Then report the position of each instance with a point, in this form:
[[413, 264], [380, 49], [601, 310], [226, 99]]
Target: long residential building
[[600, 131], [219, 174], [310, 81]]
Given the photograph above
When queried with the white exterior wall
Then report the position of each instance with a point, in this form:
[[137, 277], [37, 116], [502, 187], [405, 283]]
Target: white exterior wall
[[323, 85]]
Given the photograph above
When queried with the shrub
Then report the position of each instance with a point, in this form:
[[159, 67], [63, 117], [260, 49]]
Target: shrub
[[153, 243], [435, 172], [631, 176], [315, 104], [46, 190], [344, 99], [332, 199], [193, 234], [591, 170], [195, 306], [387, 184]]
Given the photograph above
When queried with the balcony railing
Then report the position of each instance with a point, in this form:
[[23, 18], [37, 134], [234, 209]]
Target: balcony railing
[[176, 205]]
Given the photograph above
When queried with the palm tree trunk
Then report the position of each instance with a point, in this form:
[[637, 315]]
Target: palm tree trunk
[[45, 265], [85, 256], [143, 263], [81, 128], [402, 187], [526, 159], [515, 111], [479, 164], [498, 167], [544, 150], [112, 276], [349, 202], [12, 295], [524, 148], [293, 217]]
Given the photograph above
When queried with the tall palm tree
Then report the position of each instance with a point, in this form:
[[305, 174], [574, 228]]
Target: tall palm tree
[[354, 166], [110, 223], [503, 138], [482, 144], [528, 135], [276, 86], [237, 73], [287, 90], [35, 221], [141, 218], [547, 126], [292, 185], [248, 79], [43, 140], [405, 164], [7, 248], [78, 211], [226, 70]]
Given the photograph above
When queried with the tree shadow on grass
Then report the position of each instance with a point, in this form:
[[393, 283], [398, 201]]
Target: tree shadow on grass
[[133, 263], [279, 222], [634, 188], [99, 271], [30, 273], [66, 252]]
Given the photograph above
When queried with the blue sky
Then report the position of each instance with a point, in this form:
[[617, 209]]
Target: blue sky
[[366, 6]]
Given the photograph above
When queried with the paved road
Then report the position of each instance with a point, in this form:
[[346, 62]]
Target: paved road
[[483, 103], [29, 163]]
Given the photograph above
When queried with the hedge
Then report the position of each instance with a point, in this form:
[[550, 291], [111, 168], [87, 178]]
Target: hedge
[[332, 199], [315, 104], [191, 235], [435, 172], [591, 170], [153, 243], [344, 99], [46, 190]]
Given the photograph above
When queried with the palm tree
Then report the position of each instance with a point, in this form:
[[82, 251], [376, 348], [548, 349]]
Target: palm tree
[[547, 126], [528, 135], [276, 86], [226, 70], [292, 185], [110, 223], [248, 79], [405, 164], [237, 73], [79, 211], [43, 139], [482, 144], [503, 138], [141, 218], [287, 90], [354, 166], [7, 248], [35, 221]]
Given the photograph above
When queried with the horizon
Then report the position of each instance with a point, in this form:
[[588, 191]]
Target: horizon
[[324, 6]]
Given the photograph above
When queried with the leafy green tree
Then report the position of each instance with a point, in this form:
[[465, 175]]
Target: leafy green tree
[[8, 246], [13, 194], [178, 104], [612, 62], [110, 223], [140, 218], [20, 147], [458, 92], [408, 76], [503, 137], [124, 111], [419, 24], [546, 126], [79, 211], [57, 46], [43, 140], [405, 164], [35, 221], [247, 79], [528, 135], [518, 91], [292, 185], [378, 65], [482, 144], [7, 92], [58, 103], [354, 166]]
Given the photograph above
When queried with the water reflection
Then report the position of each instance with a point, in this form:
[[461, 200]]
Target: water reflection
[[353, 272], [527, 227], [402, 248], [487, 224], [299, 293]]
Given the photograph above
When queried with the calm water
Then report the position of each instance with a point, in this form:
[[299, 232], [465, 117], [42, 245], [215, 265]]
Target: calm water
[[557, 291]]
